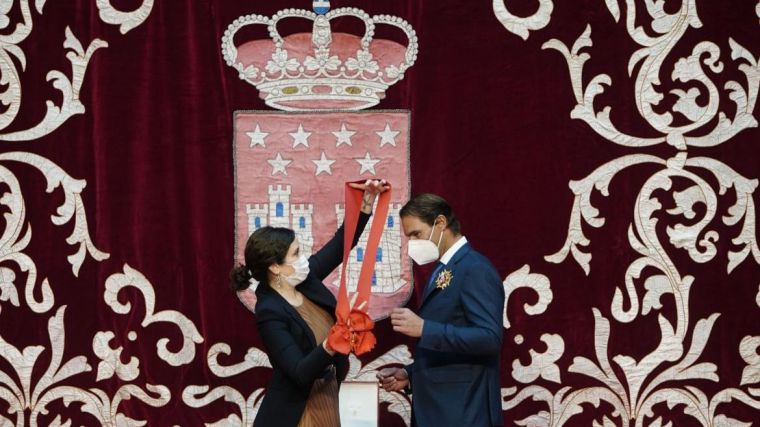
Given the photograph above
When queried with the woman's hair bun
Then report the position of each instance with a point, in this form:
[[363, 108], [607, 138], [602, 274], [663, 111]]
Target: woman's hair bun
[[240, 278]]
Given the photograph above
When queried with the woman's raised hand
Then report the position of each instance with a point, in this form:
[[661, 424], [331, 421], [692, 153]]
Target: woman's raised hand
[[375, 186], [371, 188]]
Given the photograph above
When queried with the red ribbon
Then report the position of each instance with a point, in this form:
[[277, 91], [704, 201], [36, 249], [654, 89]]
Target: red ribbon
[[352, 332]]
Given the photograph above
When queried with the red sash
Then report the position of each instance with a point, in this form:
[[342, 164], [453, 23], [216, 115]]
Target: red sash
[[352, 332]]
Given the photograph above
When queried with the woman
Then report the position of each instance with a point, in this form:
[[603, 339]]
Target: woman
[[294, 313]]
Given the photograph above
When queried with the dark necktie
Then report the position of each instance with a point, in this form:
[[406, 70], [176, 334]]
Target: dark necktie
[[431, 281]]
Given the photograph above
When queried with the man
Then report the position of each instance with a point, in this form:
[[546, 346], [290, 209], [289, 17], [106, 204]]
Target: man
[[454, 379]]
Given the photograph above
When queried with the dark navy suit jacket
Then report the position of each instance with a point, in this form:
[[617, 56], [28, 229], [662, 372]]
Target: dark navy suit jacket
[[455, 375], [297, 359]]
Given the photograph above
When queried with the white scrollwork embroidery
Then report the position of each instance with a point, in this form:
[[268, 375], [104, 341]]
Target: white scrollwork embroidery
[[680, 236], [24, 396], [748, 349], [197, 396], [685, 70], [542, 365], [522, 26], [641, 393], [254, 358], [29, 396], [11, 55], [7, 288], [643, 238], [584, 211], [110, 359], [98, 404], [742, 210], [614, 8], [675, 360], [12, 243], [125, 20], [523, 278], [11, 96], [55, 423], [189, 333], [562, 406], [200, 396], [56, 115]]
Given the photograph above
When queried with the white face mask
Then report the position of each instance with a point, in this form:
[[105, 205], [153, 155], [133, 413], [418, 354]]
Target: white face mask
[[425, 251], [301, 270]]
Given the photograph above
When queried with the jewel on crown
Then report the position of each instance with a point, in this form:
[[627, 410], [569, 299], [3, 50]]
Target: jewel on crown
[[322, 70]]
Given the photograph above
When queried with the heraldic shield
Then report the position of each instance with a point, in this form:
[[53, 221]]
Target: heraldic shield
[[290, 170], [291, 165]]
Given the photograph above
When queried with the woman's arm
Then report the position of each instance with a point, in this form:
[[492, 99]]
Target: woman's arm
[[284, 352], [329, 257]]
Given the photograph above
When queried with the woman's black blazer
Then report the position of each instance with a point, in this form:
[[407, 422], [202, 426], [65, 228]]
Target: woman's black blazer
[[297, 359]]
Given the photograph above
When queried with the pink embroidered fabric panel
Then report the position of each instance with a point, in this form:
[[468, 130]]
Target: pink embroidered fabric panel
[[290, 170]]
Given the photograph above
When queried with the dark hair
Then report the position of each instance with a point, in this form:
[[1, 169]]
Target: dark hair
[[266, 246], [427, 207]]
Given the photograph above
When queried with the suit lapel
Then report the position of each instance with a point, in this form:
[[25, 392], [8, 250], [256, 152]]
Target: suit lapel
[[451, 266], [299, 320], [285, 305], [319, 295], [439, 266]]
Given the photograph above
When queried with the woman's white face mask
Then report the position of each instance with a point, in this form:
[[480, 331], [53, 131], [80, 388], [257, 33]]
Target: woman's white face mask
[[300, 271], [425, 251]]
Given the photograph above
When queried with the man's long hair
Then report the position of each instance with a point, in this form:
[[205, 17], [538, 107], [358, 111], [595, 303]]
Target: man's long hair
[[427, 207]]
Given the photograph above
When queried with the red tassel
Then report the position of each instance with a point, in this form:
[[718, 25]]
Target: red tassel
[[353, 336]]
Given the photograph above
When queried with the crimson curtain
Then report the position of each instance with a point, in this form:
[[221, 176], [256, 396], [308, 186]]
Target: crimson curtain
[[491, 131]]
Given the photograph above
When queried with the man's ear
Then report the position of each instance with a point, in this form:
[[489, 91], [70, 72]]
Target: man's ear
[[441, 221]]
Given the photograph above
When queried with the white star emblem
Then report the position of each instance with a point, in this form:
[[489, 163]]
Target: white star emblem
[[257, 136], [323, 165], [300, 137], [279, 164], [368, 164], [344, 136], [387, 136]]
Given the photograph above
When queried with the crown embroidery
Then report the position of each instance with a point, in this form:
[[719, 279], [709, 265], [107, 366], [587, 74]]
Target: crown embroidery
[[444, 279], [322, 70]]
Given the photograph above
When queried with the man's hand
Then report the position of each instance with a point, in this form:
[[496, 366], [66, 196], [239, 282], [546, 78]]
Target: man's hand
[[406, 322], [393, 379]]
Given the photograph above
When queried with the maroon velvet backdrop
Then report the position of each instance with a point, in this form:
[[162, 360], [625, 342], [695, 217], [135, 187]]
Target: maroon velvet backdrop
[[490, 131]]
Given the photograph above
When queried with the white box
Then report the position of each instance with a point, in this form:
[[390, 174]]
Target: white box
[[358, 403]]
